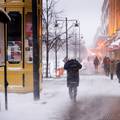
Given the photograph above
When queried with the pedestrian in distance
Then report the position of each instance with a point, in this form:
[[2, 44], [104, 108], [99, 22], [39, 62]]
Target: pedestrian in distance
[[106, 65], [118, 70], [112, 68], [96, 63]]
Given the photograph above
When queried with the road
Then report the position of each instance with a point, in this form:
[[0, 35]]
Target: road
[[98, 99], [94, 108]]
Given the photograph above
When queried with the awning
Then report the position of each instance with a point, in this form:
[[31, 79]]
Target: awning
[[114, 45], [113, 48], [117, 42], [4, 17]]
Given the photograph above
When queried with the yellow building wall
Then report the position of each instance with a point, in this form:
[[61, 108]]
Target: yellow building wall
[[19, 73], [114, 16]]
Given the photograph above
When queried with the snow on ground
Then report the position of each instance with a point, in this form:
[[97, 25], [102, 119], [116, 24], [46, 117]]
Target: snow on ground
[[55, 99]]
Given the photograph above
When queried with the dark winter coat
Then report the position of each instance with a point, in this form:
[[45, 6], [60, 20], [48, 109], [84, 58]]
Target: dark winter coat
[[112, 67], [106, 62], [118, 70], [72, 64], [72, 67], [96, 61]]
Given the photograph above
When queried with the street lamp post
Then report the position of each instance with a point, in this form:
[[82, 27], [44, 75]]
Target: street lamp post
[[79, 38], [66, 27], [56, 51], [66, 22], [5, 19], [35, 52], [47, 38]]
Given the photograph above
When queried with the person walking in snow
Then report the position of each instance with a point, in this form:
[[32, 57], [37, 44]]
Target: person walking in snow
[[72, 66], [118, 70], [106, 65], [112, 68], [96, 63]]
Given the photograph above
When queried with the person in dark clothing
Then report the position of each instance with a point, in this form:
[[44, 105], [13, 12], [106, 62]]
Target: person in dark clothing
[[72, 66], [106, 63], [118, 70], [112, 68], [96, 63]]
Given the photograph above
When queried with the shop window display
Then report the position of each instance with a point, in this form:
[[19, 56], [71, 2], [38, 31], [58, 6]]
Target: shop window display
[[28, 38], [14, 38]]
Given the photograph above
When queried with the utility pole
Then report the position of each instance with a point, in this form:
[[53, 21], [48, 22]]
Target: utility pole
[[6, 19], [75, 45], [5, 69], [79, 41], [66, 32], [56, 39], [47, 39], [66, 38], [35, 51]]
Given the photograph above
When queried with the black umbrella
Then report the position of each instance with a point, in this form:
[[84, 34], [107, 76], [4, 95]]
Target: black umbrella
[[4, 17], [71, 64]]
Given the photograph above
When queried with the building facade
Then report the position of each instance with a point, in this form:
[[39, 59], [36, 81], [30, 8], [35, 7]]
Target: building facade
[[20, 43], [104, 17], [111, 26]]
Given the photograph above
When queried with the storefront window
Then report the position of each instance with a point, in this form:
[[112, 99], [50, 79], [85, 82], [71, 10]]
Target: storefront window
[[28, 38], [14, 38]]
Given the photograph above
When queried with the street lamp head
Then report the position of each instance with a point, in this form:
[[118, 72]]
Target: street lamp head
[[81, 36], [76, 24], [56, 24]]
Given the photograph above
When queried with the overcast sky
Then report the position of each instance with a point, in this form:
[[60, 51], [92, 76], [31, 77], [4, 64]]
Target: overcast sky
[[87, 11]]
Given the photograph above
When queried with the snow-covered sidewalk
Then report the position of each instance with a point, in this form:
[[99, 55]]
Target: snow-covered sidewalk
[[54, 98]]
